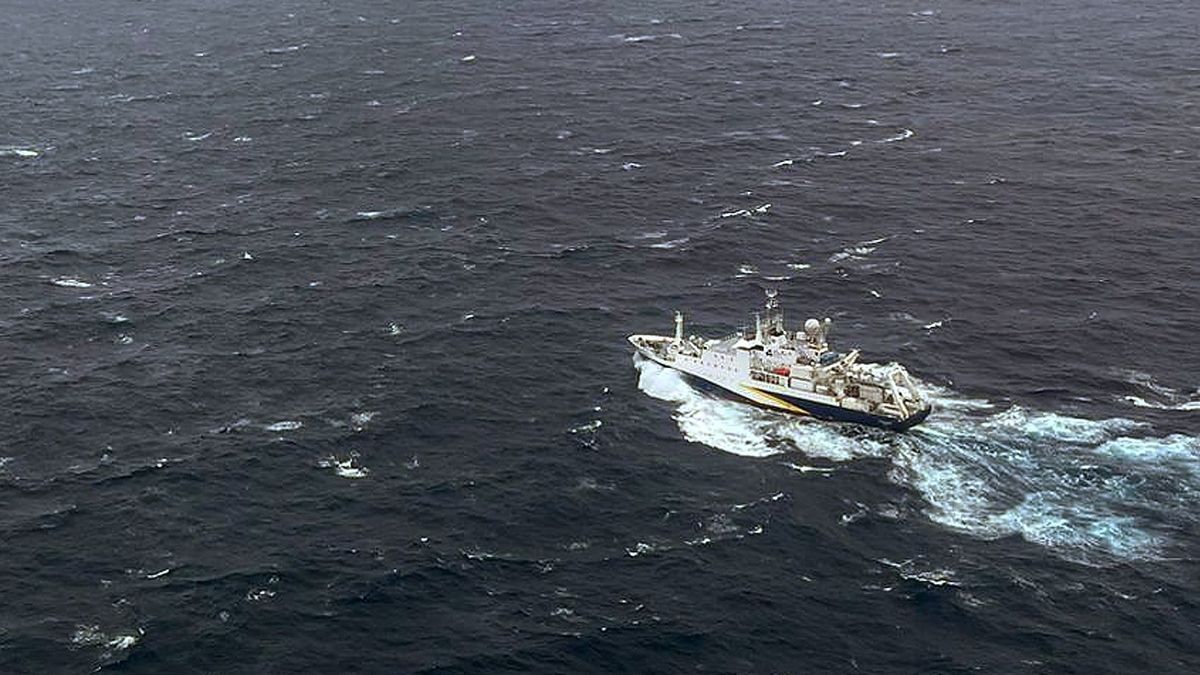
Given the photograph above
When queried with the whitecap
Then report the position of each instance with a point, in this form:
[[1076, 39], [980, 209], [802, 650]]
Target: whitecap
[[674, 243], [197, 137], [641, 548], [1187, 406], [804, 468], [70, 282], [852, 252], [86, 635], [905, 134], [259, 594], [592, 426], [22, 153], [1162, 396], [285, 425], [345, 468], [360, 420]]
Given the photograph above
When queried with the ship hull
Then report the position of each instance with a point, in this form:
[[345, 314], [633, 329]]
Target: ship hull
[[815, 409], [790, 403]]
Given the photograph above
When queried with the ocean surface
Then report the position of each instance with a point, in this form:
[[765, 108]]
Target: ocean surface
[[313, 321]]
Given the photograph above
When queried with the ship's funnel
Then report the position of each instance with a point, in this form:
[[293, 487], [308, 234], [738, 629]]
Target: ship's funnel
[[678, 327]]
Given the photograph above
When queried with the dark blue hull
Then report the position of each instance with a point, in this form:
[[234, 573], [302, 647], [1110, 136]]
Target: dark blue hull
[[821, 411]]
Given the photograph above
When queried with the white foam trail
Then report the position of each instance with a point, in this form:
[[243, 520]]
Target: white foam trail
[[1173, 448], [1052, 426], [1070, 484], [1076, 486]]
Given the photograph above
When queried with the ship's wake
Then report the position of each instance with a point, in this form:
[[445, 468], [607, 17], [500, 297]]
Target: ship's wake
[[1093, 491]]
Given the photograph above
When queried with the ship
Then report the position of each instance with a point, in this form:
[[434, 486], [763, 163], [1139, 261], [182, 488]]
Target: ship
[[792, 371]]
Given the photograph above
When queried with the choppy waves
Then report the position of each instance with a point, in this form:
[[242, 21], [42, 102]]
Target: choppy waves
[[1091, 491]]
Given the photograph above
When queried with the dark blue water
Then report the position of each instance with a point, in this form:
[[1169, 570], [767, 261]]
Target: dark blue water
[[313, 322]]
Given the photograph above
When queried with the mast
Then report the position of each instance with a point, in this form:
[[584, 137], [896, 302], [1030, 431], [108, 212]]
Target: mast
[[774, 319]]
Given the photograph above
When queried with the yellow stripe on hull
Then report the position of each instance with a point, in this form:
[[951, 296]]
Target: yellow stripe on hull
[[760, 396]]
